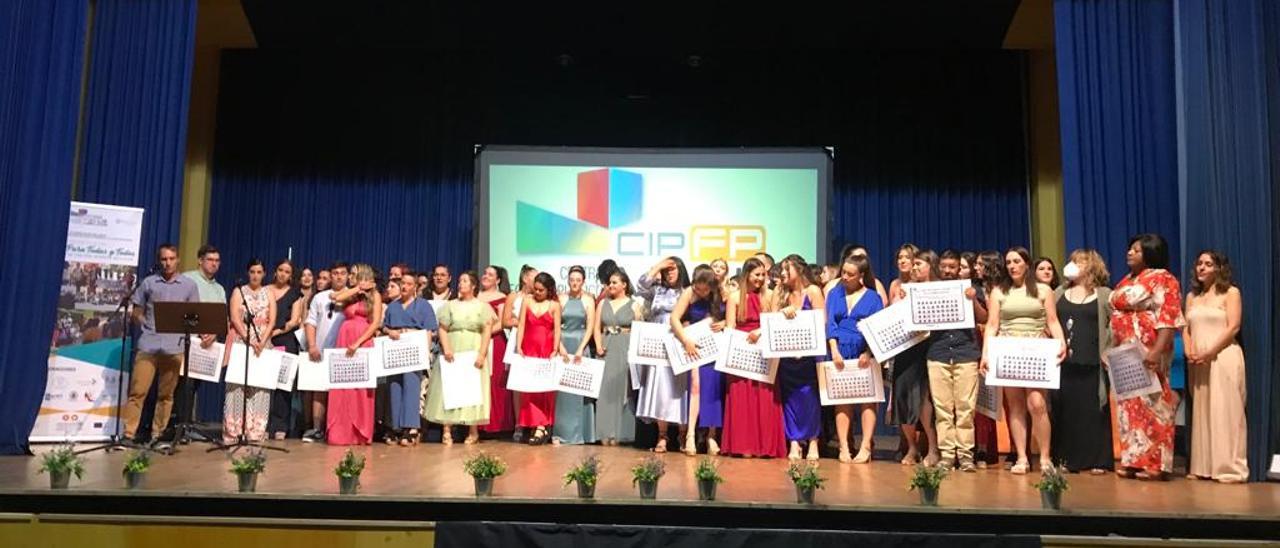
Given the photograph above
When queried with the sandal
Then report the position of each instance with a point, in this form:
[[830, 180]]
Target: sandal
[[661, 446], [713, 448], [446, 438], [1125, 473], [410, 439], [471, 440], [864, 456], [1020, 469], [539, 437], [845, 457], [1147, 476], [794, 455]]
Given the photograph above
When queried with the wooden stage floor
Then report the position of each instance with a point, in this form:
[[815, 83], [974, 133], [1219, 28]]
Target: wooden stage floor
[[427, 483]]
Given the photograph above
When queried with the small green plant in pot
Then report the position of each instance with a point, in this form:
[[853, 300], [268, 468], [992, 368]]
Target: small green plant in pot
[[135, 468], [585, 474], [483, 468], [61, 463], [348, 472], [1051, 485], [708, 475], [646, 474], [247, 468], [807, 481], [927, 479]]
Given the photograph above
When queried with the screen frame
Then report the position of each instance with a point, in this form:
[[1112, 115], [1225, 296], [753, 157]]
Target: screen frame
[[771, 157]]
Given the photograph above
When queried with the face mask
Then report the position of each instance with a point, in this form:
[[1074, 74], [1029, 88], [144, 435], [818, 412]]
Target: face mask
[[1071, 271]]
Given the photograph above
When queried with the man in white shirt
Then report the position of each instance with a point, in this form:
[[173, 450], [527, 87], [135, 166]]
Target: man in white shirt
[[323, 320]]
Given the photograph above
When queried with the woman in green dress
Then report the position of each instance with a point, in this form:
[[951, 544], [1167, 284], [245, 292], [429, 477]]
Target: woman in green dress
[[464, 327]]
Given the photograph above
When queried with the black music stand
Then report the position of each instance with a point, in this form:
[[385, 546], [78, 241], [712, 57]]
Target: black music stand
[[189, 319]]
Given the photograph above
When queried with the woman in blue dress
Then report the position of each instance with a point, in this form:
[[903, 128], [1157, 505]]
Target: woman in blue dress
[[410, 313], [699, 301], [849, 302], [798, 377]]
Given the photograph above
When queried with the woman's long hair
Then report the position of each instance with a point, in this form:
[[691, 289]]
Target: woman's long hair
[[703, 274], [747, 268]]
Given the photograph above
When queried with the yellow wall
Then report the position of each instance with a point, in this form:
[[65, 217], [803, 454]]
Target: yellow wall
[[220, 24], [1031, 30], [51, 532]]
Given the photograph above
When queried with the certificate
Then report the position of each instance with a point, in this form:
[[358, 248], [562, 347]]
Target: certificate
[[410, 353], [939, 305], [509, 356], [533, 376], [746, 360], [852, 384], [710, 345], [463, 383], [205, 363], [288, 371], [312, 376], [351, 372], [582, 379], [264, 368], [1129, 377], [803, 335], [989, 398], [648, 344], [1028, 362], [887, 334]]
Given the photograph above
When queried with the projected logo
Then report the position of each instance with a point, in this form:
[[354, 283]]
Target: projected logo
[[606, 198], [609, 199]]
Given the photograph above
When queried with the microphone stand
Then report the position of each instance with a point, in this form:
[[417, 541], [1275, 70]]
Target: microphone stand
[[243, 439], [117, 442]]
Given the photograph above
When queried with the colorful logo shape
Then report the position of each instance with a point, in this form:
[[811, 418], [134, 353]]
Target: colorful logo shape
[[607, 198]]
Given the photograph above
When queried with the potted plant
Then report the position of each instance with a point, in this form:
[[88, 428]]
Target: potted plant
[[483, 467], [135, 468], [247, 468], [646, 475], [927, 479], [60, 463], [708, 475], [1051, 485], [585, 473], [807, 481], [348, 472]]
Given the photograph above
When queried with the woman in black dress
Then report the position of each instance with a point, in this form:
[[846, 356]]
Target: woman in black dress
[[289, 312], [1080, 409]]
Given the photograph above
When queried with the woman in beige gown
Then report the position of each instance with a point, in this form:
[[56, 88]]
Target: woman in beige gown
[[1215, 367]]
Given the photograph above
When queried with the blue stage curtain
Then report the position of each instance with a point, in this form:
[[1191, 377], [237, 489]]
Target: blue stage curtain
[[352, 172], [922, 171], [1227, 143], [1119, 126], [135, 117], [41, 63], [135, 128]]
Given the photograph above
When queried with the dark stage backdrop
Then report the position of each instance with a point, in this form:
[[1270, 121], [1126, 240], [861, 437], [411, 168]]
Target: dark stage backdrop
[[368, 156]]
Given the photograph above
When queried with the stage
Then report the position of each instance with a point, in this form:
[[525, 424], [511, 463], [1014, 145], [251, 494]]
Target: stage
[[427, 483]]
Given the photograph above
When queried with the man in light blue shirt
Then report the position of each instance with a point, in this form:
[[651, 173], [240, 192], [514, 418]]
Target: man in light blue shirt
[[159, 355]]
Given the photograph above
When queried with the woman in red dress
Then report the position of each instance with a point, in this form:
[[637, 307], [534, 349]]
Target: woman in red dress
[[1148, 310], [350, 419], [538, 336], [752, 409], [493, 290]]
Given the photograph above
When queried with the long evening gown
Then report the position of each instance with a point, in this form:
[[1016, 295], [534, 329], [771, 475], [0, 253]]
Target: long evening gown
[[753, 409]]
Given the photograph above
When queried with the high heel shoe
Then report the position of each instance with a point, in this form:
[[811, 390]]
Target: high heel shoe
[[539, 437], [661, 447], [447, 437], [713, 448]]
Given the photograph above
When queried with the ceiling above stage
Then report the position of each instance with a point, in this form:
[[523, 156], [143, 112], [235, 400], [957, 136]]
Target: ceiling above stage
[[689, 27]]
